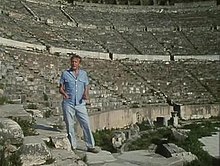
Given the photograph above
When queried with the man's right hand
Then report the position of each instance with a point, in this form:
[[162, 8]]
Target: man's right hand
[[62, 91], [65, 96]]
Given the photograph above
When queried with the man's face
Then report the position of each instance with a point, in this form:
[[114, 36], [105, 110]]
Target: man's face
[[75, 63]]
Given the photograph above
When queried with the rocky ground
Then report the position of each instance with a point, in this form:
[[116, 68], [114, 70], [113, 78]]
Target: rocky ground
[[50, 146]]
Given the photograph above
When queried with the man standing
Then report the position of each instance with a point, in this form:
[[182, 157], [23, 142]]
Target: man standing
[[75, 90]]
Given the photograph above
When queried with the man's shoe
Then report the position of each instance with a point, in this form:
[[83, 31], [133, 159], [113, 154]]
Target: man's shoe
[[94, 150]]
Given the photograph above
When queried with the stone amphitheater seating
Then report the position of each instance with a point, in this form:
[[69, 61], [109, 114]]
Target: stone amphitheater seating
[[197, 38], [114, 84], [176, 42], [150, 31], [179, 83], [203, 19], [35, 74]]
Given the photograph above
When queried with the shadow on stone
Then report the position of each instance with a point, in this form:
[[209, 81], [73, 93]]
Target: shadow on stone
[[42, 127]]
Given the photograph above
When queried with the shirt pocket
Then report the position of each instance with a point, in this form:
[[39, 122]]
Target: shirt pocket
[[69, 81], [69, 86], [82, 82]]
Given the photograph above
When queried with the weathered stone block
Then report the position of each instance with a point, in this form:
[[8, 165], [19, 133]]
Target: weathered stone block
[[61, 142], [14, 111], [168, 150], [180, 135], [34, 151], [10, 131], [35, 113], [1, 91], [68, 158]]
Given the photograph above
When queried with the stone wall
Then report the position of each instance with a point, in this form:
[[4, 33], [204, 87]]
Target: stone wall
[[125, 117], [21, 45], [199, 111], [99, 55], [89, 54]]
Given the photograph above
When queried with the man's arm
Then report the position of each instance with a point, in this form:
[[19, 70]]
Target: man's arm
[[86, 93], [62, 91]]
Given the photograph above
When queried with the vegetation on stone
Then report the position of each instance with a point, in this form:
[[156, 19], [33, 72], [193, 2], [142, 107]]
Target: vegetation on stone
[[45, 97], [47, 113], [104, 139], [32, 106], [144, 126], [158, 135], [26, 126], [192, 144], [150, 136], [50, 144], [8, 158], [4, 100], [202, 129], [49, 161]]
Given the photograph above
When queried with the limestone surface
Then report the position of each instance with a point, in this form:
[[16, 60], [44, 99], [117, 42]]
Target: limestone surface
[[10, 131], [34, 151]]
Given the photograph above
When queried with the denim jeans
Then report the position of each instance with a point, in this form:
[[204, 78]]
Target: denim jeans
[[80, 112]]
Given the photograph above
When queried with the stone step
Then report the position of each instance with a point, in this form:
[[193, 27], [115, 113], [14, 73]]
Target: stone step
[[34, 151]]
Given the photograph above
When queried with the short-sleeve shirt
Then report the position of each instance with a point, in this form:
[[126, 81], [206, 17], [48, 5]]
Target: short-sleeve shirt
[[74, 86]]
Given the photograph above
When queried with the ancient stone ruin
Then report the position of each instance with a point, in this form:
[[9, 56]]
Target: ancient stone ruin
[[145, 63]]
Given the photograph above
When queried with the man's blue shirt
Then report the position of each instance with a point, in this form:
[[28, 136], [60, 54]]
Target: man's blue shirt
[[74, 86]]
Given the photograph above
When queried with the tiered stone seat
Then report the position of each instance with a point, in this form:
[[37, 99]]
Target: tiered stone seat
[[207, 73], [13, 6], [202, 19], [40, 32], [102, 99], [156, 21], [125, 21], [36, 74], [145, 42], [77, 38], [89, 18], [175, 42], [117, 78], [119, 30], [215, 16], [174, 80], [112, 41], [14, 32], [26, 77], [207, 42], [45, 12], [114, 84]]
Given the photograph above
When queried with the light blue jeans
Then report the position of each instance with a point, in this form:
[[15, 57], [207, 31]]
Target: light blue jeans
[[80, 112]]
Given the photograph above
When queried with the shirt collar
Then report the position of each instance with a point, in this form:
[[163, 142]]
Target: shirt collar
[[71, 72]]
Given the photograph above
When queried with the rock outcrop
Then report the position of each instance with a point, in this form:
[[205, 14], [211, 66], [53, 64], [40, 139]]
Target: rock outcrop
[[10, 131]]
